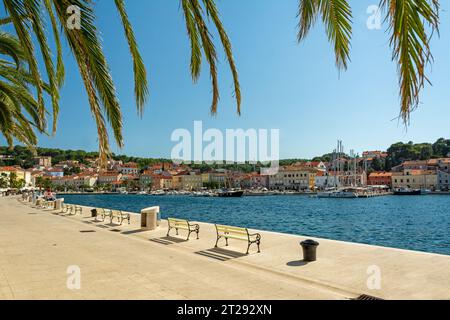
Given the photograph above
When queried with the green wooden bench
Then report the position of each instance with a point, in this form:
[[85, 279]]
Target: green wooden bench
[[70, 208], [104, 213], [121, 216], [64, 207], [78, 209], [228, 232], [182, 224]]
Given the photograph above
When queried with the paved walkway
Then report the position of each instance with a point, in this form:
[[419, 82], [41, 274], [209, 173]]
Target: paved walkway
[[121, 262]]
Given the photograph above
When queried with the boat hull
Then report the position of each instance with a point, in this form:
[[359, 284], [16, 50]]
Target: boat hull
[[408, 193], [231, 194], [337, 195]]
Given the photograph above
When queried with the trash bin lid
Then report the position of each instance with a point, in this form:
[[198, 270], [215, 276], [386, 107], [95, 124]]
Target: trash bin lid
[[309, 242]]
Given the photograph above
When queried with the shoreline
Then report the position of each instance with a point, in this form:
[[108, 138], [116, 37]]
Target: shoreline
[[269, 194], [317, 238], [307, 216], [170, 267]]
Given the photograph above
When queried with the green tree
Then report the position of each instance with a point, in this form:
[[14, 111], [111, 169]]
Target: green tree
[[376, 164], [426, 151], [3, 181], [43, 183], [441, 148]]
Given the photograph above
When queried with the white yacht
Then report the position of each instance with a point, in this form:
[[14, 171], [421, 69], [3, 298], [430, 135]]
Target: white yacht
[[338, 193]]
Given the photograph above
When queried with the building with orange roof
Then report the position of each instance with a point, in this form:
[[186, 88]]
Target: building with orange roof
[[374, 154], [108, 177], [293, 178], [415, 179], [44, 162], [128, 168], [380, 179], [259, 181]]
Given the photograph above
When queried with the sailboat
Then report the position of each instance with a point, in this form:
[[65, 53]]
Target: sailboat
[[230, 193], [345, 193], [336, 191]]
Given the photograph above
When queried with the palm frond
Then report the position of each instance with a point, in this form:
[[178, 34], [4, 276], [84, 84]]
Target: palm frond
[[194, 37], [337, 18], [33, 10], [17, 10], [212, 11], [208, 49], [60, 70], [86, 47], [410, 46], [140, 74]]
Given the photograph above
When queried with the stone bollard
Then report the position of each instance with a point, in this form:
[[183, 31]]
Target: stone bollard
[[58, 204], [150, 218], [38, 202]]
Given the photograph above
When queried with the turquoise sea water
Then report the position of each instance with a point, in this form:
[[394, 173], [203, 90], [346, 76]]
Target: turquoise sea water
[[416, 223]]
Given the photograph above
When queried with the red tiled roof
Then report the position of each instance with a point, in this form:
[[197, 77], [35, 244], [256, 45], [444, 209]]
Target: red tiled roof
[[8, 169], [380, 175]]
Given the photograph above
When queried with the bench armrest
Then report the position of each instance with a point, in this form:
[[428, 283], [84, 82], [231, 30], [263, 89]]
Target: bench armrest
[[257, 235]]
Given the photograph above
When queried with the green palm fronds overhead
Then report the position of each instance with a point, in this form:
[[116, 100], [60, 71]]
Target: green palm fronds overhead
[[20, 112], [29, 18], [411, 25]]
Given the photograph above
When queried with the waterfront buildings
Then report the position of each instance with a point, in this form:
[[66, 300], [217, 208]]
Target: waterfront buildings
[[108, 178], [215, 178], [443, 181], [380, 179], [54, 172], [259, 181], [74, 181], [415, 179], [444, 174], [374, 154], [128, 168], [324, 180], [340, 171], [145, 180], [293, 178], [21, 175], [44, 162], [188, 181]]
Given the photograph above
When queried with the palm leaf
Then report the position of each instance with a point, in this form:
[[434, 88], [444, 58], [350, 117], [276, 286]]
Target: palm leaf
[[410, 46], [140, 74], [212, 11]]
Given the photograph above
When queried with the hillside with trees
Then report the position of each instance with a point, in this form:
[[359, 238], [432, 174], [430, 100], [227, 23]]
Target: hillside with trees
[[397, 153]]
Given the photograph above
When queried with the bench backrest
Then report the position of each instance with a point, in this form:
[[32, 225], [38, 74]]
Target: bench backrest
[[173, 222], [222, 229]]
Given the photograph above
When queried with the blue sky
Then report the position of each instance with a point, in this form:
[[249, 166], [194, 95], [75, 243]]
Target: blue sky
[[291, 87]]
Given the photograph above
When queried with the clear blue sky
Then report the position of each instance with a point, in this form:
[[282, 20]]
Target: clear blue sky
[[295, 88]]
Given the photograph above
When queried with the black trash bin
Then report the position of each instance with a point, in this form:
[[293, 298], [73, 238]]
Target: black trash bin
[[309, 250], [94, 213]]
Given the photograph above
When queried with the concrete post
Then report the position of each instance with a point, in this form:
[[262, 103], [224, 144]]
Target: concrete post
[[58, 204], [38, 202], [149, 218]]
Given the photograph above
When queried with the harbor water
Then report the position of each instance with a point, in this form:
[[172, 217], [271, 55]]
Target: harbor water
[[419, 223]]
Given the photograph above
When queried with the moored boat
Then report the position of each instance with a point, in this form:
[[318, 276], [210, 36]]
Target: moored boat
[[230, 193], [338, 194], [407, 192]]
